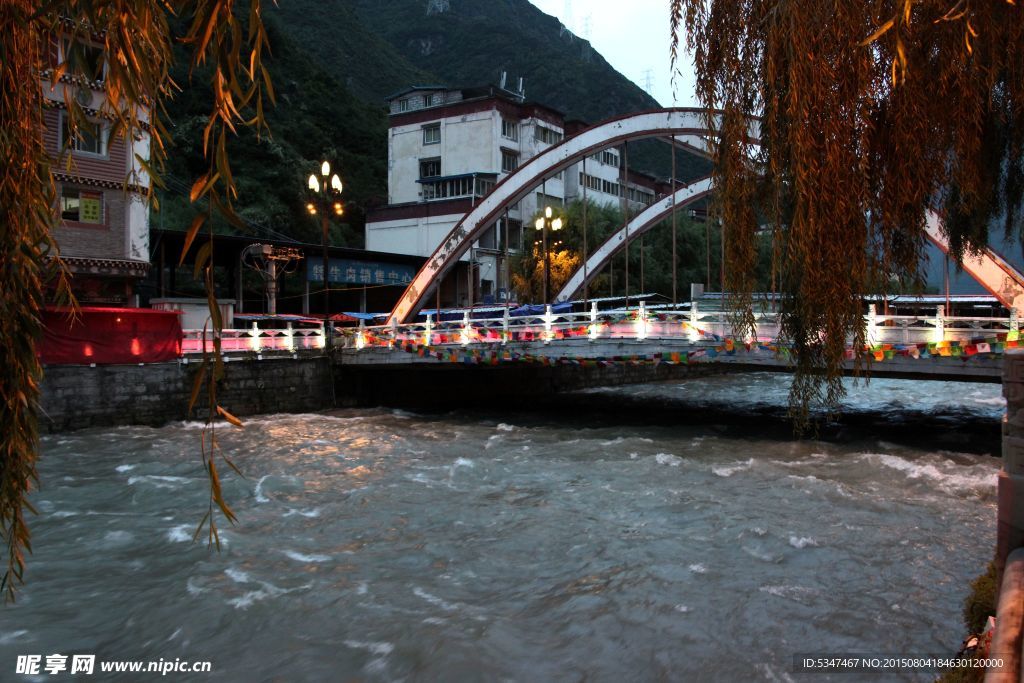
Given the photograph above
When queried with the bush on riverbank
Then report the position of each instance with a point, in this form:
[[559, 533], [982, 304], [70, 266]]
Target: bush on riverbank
[[981, 601], [979, 605]]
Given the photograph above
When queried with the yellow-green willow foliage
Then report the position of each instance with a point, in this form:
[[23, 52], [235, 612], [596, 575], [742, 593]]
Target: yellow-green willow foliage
[[871, 112], [136, 38]]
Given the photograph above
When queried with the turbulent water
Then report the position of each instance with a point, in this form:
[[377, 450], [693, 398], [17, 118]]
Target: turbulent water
[[384, 545]]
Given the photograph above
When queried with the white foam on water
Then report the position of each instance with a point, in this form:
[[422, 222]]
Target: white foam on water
[[438, 621], [249, 598], [950, 477], [124, 468], [668, 459], [733, 469], [796, 593], [377, 648], [315, 512], [158, 480], [174, 635], [682, 609], [434, 600], [118, 537], [802, 541], [11, 636], [300, 557], [463, 462], [260, 498], [64, 513], [698, 568], [758, 531], [181, 533], [503, 427], [237, 575], [193, 588], [761, 555], [363, 588]]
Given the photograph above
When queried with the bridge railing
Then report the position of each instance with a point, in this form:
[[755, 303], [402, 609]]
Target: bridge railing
[[693, 325], [254, 339]]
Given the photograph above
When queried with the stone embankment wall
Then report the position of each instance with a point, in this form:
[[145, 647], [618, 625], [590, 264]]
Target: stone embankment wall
[[453, 385], [78, 396]]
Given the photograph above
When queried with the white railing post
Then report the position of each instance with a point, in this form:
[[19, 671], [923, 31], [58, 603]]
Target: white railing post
[[361, 335], [504, 327], [254, 341], [464, 334], [394, 333], [1014, 325], [872, 325], [641, 322], [427, 329], [547, 324], [289, 338], [694, 333], [940, 323], [593, 321]]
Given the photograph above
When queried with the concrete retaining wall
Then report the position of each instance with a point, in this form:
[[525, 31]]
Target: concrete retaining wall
[[452, 385], [78, 396]]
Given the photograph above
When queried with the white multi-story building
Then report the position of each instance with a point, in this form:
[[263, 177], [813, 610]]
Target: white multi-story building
[[448, 147]]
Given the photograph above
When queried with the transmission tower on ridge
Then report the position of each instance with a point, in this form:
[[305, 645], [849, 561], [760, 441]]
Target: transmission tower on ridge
[[648, 80]]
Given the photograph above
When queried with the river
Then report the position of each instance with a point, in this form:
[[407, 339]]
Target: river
[[384, 545]]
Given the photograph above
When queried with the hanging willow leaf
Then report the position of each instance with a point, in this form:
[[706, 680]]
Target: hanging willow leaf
[[858, 143], [137, 38], [229, 417], [193, 229]]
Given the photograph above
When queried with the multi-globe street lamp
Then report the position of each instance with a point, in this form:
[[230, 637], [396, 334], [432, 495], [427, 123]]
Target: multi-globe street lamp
[[545, 223], [325, 194]]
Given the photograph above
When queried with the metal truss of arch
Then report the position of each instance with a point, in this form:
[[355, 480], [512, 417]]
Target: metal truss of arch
[[687, 125], [640, 224]]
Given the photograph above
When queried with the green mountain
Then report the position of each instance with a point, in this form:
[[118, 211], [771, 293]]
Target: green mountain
[[334, 62], [316, 118], [467, 43]]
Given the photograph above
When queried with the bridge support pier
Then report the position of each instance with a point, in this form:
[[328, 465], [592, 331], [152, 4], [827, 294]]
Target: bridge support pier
[[1010, 522]]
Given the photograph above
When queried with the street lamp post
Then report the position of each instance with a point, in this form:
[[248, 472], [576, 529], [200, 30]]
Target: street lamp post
[[322, 193], [545, 223]]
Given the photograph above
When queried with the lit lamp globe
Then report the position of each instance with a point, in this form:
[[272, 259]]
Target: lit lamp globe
[[314, 184]]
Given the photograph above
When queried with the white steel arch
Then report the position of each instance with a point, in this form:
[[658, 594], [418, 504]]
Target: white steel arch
[[640, 224], [687, 125]]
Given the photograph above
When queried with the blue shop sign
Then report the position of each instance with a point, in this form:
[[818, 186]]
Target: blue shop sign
[[349, 272]]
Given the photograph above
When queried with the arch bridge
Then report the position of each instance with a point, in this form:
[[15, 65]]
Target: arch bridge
[[687, 128]]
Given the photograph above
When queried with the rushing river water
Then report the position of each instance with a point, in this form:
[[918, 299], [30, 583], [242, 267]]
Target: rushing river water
[[384, 545]]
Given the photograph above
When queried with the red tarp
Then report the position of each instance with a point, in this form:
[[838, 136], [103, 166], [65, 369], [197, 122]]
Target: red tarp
[[109, 335]]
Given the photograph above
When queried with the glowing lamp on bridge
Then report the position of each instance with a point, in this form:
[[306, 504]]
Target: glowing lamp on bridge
[[545, 223]]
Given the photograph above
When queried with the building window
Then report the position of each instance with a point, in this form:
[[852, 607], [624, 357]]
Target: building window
[[610, 158], [432, 134], [547, 135], [403, 104], [514, 230], [509, 160], [85, 60], [489, 239], [430, 168], [81, 206], [91, 137], [510, 129]]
